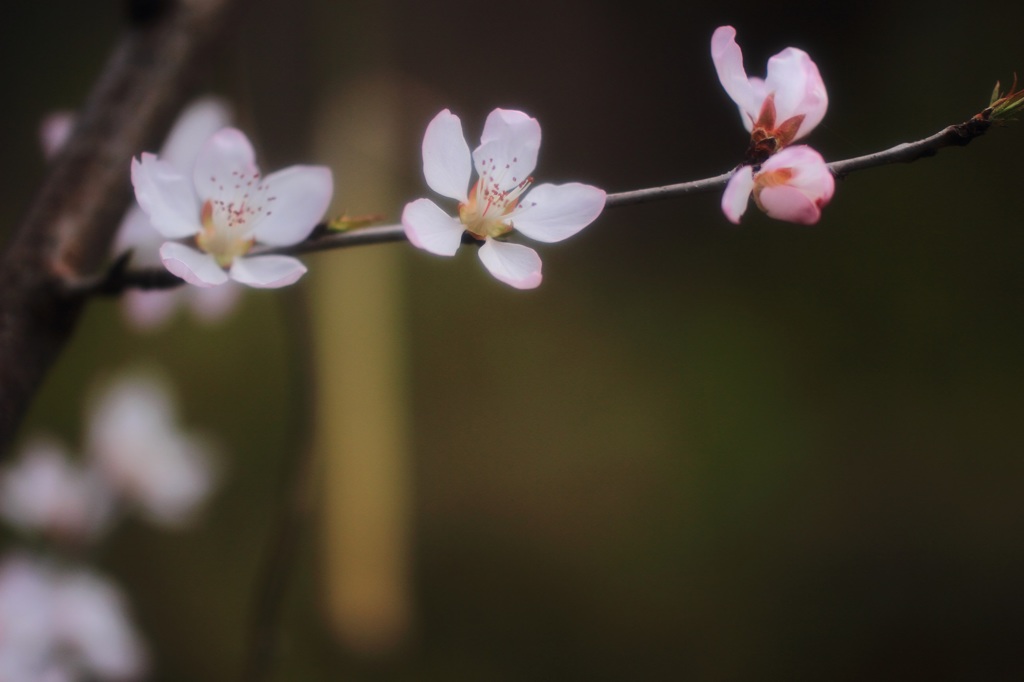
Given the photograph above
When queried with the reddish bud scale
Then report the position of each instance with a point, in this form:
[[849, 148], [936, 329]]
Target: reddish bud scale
[[766, 137]]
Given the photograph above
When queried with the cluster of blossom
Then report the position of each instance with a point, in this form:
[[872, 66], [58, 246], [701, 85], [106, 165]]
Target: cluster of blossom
[[205, 211], [215, 207], [59, 621], [60, 625], [150, 310], [787, 183]]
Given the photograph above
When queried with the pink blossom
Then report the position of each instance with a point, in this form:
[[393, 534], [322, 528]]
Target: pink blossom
[[215, 214], [793, 185], [54, 131], [46, 493], [500, 201], [90, 620], [26, 620], [60, 625], [147, 311], [136, 442], [781, 108]]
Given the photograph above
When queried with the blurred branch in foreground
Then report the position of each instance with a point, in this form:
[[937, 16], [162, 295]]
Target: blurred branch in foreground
[[70, 224]]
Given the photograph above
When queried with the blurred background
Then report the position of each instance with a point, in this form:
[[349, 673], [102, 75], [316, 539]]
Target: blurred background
[[696, 452]]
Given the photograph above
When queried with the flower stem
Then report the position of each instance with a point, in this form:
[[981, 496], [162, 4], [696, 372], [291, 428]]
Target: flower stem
[[294, 507]]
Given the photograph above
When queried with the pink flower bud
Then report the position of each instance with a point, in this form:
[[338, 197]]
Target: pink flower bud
[[793, 185], [783, 107]]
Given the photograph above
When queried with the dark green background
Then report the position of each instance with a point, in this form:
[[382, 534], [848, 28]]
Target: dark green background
[[698, 451]]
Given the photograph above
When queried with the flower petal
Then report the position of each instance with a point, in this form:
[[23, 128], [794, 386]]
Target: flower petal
[[225, 161], [501, 122], [196, 268], [46, 492], [267, 272], [213, 305], [54, 131], [514, 264], [508, 148], [135, 441], [447, 165], [798, 88], [297, 198], [737, 193], [92, 622], [431, 229], [195, 125], [148, 310], [166, 196], [811, 175], [728, 59], [551, 213], [26, 596], [784, 202], [137, 234]]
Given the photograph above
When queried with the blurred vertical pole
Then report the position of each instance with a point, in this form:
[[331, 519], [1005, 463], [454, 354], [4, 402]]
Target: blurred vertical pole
[[362, 418], [358, 317]]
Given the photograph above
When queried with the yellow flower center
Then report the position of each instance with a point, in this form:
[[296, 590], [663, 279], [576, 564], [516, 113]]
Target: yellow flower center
[[486, 212], [228, 218], [224, 243]]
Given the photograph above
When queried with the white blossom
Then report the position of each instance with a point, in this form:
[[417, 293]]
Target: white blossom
[[500, 201], [224, 207]]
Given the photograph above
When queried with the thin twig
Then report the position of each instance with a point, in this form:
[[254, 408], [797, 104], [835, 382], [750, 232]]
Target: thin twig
[[643, 196], [951, 136]]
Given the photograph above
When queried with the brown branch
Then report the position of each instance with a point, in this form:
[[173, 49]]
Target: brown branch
[[67, 232], [953, 136]]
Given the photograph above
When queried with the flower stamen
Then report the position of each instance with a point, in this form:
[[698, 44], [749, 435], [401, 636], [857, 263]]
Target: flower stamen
[[492, 218]]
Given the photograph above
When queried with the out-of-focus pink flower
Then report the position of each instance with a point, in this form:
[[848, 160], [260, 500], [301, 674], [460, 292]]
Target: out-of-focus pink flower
[[90, 620], [792, 185], [781, 108], [134, 439], [54, 132], [498, 202], [147, 311], [26, 620], [46, 493], [58, 626], [227, 206]]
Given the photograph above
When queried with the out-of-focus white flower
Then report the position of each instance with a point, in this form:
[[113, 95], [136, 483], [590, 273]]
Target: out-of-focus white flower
[[63, 626], [46, 493], [134, 438], [227, 206], [26, 620], [90, 620], [498, 202]]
